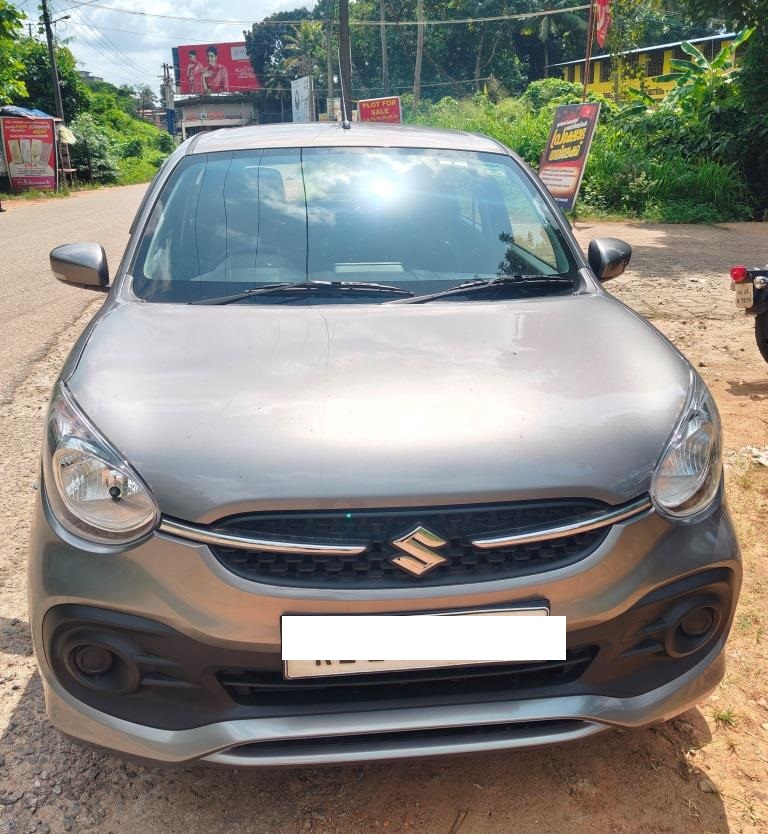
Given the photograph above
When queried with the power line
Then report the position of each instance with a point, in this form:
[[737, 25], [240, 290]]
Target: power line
[[101, 43], [448, 22]]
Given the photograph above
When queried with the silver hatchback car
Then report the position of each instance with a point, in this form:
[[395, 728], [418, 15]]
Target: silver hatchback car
[[368, 371]]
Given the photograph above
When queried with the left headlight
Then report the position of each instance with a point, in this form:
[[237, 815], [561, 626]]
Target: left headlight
[[688, 474], [91, 488]]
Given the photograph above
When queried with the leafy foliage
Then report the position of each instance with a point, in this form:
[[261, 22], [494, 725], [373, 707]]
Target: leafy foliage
[[36, 76], [699, 83], [11, 67], [651, 165], [93, 154]]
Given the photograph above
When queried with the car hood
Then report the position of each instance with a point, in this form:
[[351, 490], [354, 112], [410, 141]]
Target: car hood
[[226, 409]]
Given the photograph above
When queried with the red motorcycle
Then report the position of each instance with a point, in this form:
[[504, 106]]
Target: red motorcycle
[[751, 287]]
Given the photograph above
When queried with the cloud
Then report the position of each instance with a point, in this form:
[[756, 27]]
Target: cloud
[[131, 49]]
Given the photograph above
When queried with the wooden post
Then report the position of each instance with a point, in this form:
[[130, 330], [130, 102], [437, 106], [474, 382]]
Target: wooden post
[[588, 52], [419, 54]]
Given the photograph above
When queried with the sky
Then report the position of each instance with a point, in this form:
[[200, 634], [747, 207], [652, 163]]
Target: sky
[[130, 48]]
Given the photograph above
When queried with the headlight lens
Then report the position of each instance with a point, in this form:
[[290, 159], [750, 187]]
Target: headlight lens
[[688, 474], [91, 489]]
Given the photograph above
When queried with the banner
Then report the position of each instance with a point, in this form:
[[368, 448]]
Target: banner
[[380, 110], [562, 163], [603, 20], [29, 147], [301, 100], [214, 68]]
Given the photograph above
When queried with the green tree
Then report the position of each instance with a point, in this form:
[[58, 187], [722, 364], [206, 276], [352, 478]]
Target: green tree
[[36, 76], [304, 48], [549, 28], [12, 85]]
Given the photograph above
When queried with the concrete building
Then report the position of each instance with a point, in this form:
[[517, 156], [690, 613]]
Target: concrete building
[[201, 113]]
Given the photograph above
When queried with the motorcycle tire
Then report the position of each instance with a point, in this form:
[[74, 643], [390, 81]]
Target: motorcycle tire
[[761, 334]]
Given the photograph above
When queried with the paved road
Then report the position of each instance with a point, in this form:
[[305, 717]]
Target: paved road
[[34, 307]]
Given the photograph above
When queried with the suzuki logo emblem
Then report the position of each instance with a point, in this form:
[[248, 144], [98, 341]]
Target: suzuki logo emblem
[[420, 559]]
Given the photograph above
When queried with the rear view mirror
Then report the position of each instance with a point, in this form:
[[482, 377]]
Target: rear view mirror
[[81, 264], [608, 257]]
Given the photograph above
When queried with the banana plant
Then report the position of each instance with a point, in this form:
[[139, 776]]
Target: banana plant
[[698, 80]]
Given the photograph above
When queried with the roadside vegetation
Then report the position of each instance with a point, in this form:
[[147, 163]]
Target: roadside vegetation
[[685, 159], [113, 146]]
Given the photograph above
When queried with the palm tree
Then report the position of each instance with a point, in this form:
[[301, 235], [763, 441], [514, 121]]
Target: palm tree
[[304, 48], [277, 84], [550, 27]]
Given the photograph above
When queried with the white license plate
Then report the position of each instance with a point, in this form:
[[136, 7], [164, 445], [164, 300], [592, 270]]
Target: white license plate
[[744, 295], [303, 634]]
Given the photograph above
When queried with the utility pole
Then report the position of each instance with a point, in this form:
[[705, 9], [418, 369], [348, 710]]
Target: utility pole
[[419, 54], [52, 57], [329, 108], [345, 61], [170, 108], [384, 61]]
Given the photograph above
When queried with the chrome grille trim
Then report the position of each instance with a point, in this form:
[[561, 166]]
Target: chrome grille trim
[[585, 525], [204, 536]]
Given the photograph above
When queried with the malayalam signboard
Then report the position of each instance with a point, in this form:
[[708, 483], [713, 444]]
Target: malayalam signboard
[[301, 100], [380, 110], [203, 69], [29, 147], [562, 163]]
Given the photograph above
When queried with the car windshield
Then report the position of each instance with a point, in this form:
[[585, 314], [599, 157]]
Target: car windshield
[[423, 221]]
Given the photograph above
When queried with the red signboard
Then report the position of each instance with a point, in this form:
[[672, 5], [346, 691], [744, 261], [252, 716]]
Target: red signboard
[[214, 68], [29, 146], [562, 163], [380, 110]]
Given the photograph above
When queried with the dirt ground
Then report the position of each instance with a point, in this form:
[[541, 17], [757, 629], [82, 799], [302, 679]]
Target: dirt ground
[[706, 771]]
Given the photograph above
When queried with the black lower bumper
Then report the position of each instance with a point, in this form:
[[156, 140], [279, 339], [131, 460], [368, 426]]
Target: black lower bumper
[[150, 674]]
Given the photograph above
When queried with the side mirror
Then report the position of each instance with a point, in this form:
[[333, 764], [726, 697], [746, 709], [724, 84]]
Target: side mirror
[[81, 264], [608, 257]]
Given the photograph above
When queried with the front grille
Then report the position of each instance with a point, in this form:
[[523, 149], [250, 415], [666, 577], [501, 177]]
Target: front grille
[[377, 528], [470, 684]]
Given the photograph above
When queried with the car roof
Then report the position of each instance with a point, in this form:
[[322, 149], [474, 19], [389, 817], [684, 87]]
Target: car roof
[[320, 135]]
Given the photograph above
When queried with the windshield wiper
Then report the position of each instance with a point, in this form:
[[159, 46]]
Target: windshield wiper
[[301, 287], [502, 282]]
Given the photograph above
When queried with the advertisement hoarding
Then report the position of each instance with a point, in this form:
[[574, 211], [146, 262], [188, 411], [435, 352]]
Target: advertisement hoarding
[[565, 155], [301, 100], [380, 110], [203, 69], [29, 147]]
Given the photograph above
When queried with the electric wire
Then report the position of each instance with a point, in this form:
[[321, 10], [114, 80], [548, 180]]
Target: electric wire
[[372, 23]]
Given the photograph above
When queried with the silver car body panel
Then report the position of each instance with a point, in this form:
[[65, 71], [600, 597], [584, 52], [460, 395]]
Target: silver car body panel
[[382, 405]]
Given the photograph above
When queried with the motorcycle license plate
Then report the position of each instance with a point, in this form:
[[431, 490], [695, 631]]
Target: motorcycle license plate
[[744, 295]]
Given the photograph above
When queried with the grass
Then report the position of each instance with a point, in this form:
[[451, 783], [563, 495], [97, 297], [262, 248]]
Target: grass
[[724, 717]]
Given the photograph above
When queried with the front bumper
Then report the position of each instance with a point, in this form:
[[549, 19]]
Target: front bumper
[[183, 589], [386, 734]]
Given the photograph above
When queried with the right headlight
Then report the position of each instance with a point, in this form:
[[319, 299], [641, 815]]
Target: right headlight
[[687, 477], [92, 490]]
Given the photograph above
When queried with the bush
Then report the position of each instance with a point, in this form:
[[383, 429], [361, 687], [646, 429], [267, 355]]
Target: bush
[[545, 90], [164, 142], [660, 165], [133, 171], [93, 154], [132, 147]]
